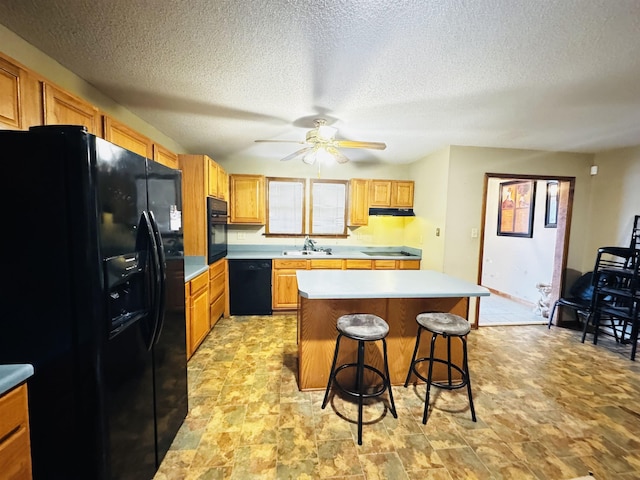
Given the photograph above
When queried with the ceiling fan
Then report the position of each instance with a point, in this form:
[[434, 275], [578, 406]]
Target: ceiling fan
[[322, 143]]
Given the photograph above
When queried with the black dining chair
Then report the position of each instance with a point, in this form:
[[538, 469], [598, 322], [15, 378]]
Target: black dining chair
[[579, 299]]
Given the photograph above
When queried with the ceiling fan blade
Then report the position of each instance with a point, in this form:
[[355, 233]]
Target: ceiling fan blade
[[281, 141], [356, 144], [337, 154], [302, 151]]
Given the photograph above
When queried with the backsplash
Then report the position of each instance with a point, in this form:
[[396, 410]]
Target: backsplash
[[386, 231]]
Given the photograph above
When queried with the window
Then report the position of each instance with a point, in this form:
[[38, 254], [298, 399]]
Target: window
[[328, 207], [288, 205], [285, 206]]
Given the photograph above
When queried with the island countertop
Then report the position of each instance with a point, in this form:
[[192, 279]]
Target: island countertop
[[352, 284]]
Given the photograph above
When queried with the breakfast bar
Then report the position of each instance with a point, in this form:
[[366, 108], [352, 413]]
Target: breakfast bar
[[395, 295]]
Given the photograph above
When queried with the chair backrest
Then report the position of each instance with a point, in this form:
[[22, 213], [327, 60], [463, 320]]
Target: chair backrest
[[635, 233]]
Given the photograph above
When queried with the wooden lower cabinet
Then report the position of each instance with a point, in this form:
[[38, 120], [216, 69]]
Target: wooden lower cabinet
[[197, 301], [15, 446], [217, 278], [285, 284]]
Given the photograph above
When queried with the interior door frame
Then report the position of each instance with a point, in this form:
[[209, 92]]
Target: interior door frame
[[565, 209]]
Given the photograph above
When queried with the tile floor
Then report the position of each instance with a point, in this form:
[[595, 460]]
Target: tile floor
[[496, 310], [548, 407]]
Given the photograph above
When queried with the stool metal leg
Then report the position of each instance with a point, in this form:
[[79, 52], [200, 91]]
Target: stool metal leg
[[426, 401], [360, 387], [332, 371], [448, 358], [413, 358], [467, 377], [388, 379]]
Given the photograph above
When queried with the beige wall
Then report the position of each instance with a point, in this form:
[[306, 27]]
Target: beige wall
[[32, 58], [430, 206], [615, 199], [380, 231]]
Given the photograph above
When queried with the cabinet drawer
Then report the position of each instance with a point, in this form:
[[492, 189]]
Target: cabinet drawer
[[216, 269], [384, 264], [15, 456], [358, 264], [13, 410], [198, 283], [409, 264], [334, 264], [297, 264]]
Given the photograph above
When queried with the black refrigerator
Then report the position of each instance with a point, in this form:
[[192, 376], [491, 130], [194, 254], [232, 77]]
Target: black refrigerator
[[94, 300]]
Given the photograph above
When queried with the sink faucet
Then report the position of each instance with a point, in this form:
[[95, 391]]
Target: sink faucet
[[308, 244]]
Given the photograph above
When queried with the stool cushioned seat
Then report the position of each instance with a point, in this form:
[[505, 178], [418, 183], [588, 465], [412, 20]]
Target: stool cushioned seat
[[363, 326], [444, 323]]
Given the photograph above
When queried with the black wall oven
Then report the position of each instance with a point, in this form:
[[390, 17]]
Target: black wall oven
[[216, 229]]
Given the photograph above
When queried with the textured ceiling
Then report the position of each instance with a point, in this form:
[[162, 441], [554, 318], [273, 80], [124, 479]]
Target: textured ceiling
[[216, 75]]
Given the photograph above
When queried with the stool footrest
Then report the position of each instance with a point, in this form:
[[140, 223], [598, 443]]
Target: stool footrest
[[355, 393], [441, 383]]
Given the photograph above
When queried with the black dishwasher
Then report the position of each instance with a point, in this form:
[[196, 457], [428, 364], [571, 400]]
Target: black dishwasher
[[250, 287]]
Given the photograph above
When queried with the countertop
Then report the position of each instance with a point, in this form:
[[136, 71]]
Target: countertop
[[195, 265], [13, 375], [260, 252], [337, 284]]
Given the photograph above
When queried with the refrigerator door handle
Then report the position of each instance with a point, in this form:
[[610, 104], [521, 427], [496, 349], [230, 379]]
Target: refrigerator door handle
[[162, 278], [155, 279]]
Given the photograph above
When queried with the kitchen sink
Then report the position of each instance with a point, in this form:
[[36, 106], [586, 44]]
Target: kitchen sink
[[310, 253]]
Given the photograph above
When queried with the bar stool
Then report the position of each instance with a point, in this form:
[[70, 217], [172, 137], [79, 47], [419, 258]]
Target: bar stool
[[363, 328], [447, 325]]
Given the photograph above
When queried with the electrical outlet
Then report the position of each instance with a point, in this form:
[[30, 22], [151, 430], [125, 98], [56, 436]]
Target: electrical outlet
[[241, 235], [474, 233]]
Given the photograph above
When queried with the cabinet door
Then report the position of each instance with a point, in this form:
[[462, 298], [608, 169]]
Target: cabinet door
[[247, 199], [199, 318], [164, 156], [212, 178], [187, 317], [62, 108], [285, 290], [10, 106], [223, 184], [120, 134], [380, 193], [358, 202], [402, 194]]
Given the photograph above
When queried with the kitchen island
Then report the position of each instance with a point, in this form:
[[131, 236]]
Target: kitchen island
[[397, 296]]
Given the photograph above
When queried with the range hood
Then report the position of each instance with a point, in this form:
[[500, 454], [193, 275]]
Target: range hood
[[392, 212]]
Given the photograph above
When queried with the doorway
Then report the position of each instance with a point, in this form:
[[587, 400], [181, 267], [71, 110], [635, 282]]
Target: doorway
[[552, 206]]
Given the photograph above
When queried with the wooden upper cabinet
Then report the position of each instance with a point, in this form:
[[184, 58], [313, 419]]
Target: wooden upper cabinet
[[380, 193], [165, 157], [120, 134], [20, 96], [391, 193], [62, 108], [247, 199], [358, 202], [212, 178], [402, 194], [10, 106]]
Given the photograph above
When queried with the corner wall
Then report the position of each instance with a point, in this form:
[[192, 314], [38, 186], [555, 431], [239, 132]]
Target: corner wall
[[615, 199]]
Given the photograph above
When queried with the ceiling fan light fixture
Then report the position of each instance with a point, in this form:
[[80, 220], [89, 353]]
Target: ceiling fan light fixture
[[310, 158]]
